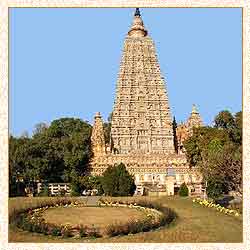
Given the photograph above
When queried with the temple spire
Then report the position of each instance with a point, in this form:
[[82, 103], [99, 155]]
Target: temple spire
[[194, 109], [137, 12], [137, 29], [141, 121]]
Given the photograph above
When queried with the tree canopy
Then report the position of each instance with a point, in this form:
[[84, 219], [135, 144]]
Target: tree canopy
[[217, 151], [117, 181], [53, 154]]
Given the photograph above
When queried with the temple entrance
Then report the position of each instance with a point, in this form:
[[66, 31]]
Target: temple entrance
[[176, 190]]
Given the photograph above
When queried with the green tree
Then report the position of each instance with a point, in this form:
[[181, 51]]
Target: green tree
[[40, 128], [175, 135], [214, 188], [224, 120], [76, 187], [183, 191], [199, 143], [237, 130], [217, 153], [52, 153], [117, 181], [18, 153]]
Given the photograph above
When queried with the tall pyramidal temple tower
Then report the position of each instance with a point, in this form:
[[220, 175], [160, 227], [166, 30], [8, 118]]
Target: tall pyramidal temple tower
[[141, 121], [141, 134]]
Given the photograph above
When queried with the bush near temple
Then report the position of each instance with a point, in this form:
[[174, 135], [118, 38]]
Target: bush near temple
[[183, 191], [117, 181]]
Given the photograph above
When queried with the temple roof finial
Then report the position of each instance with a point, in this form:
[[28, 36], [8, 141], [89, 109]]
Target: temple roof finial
[[137, 12], [194, 109], [137, 29]]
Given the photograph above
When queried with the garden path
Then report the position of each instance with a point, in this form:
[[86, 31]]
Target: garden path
[[91, 200]]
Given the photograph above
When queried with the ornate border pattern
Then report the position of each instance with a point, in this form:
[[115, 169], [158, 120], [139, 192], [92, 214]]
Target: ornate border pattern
[[4, 91]]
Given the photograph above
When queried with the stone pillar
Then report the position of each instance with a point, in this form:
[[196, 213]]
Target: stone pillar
[[39, 187], [170, 185]]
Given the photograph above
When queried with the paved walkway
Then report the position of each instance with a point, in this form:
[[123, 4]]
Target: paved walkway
[[91, 200]]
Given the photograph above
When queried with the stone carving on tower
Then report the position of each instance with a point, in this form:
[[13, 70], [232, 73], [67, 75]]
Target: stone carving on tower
[[141, 121], [97, 136]]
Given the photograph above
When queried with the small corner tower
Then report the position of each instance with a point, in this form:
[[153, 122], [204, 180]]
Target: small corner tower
[[185, 130], [194, 120], [97, 136]]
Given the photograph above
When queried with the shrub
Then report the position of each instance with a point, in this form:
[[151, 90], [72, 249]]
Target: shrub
[[26, 225], [75, 189], [117, 181], [45, 192], [214, 188], [112, 230], [183, 191], [119, 229], [94, 232], [44, 228], [66, 232], [237, 206], [18, 219], [55, 230], [16, 188], [37, 228], [62, 192], [135, 226], [147, 225], [83, 231]]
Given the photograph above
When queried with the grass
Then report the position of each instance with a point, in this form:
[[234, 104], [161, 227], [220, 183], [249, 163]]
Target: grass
[[88, 216], [195, 223], [22, 203]]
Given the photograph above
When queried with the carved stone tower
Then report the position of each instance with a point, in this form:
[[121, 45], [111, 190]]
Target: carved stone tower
[[185, 130], [97, 136], [141, 121], [194, 120]]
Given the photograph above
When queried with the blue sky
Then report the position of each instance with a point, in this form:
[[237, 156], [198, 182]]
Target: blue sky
[[64, 62]]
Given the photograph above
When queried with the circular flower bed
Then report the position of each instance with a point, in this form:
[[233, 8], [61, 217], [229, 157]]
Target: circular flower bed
[[32, 220], [218, 207]]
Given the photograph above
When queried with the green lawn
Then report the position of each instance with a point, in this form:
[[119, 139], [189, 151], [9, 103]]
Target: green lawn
[[100, 217], [194, 224]]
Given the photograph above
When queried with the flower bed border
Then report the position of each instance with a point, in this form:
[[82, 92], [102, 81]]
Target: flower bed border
[[162, 216], [218, 207], [31, 220]]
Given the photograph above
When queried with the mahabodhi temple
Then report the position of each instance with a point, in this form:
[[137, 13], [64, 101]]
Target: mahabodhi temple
[[142, 127]]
